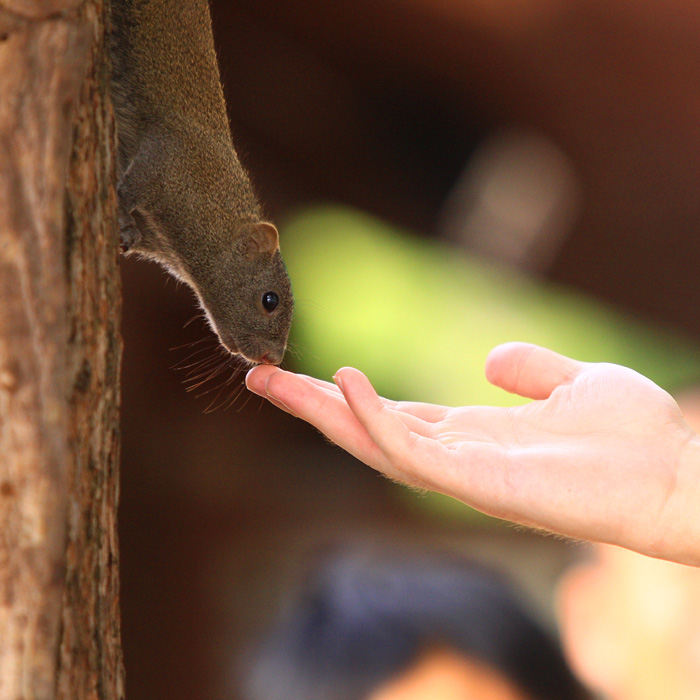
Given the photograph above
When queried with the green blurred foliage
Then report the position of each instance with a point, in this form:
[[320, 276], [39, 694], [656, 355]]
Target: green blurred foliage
[[419, 317]]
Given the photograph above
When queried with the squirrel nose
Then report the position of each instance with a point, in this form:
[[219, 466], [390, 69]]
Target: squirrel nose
[[271, 358]]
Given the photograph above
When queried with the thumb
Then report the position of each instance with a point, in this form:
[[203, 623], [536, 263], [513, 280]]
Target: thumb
[[530, 370]]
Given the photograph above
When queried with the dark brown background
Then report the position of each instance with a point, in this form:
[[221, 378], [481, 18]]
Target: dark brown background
[[380, 104]]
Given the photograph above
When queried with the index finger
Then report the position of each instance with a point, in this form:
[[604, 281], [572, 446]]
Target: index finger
[[320, 405]]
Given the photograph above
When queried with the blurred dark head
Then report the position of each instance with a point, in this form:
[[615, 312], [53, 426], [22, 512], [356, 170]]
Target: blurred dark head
[[364, 616]]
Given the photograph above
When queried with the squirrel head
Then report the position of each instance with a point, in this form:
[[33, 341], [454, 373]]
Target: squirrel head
[[240, 280], [248, 296]]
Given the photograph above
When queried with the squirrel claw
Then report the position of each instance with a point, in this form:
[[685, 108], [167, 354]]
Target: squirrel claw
[[129, 237]]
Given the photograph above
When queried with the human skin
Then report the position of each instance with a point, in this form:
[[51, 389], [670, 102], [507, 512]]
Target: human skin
[[631, 625], [601, 453], [448, 675]]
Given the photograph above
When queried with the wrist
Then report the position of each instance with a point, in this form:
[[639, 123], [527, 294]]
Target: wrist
[[679, 528]]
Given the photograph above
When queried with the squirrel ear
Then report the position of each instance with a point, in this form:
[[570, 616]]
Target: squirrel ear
[[261, 239]]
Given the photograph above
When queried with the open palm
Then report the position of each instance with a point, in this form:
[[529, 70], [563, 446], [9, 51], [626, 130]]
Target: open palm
[[602, 453]]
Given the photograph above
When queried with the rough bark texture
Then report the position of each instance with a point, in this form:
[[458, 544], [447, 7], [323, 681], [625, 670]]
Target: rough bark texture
[[59, 356]]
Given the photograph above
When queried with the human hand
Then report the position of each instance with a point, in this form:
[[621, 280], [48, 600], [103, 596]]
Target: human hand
[[602, 453]]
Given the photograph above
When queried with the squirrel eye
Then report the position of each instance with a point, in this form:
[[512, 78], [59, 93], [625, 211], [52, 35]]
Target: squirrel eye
[[270, 300]]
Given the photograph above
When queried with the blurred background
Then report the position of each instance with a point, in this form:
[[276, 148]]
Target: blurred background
[[446, 176]]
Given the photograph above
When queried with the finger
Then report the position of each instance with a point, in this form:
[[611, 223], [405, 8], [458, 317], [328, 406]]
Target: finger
[[403, 447], [256, 378], [258, 375], [326, 410], [431, 413], [322, 383], [428, 412], [325, 407], [329, 412], [530, 370], [418, 416], [423, 411]]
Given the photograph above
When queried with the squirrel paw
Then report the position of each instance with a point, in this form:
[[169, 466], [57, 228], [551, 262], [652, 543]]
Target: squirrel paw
[[129, 236]]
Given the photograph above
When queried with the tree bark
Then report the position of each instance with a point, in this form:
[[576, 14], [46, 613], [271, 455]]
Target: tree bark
[[59, 356]]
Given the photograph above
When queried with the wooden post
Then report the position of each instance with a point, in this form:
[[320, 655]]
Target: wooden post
[[59, 356]]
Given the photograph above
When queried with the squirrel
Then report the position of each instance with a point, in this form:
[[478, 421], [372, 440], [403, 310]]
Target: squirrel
[[185, 200]]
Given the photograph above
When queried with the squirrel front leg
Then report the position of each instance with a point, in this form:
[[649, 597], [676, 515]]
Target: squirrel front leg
[[129, 234], [138, 226]]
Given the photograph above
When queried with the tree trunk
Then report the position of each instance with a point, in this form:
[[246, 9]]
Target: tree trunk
[[59, 356]]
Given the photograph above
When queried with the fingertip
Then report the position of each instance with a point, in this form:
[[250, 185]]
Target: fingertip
[[529, 370], [346, 375], [257, 378], [338, 378], [271, 380], [274, 386], [499, 360]]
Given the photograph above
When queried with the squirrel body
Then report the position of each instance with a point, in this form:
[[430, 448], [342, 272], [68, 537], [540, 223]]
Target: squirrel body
[[184, 198]]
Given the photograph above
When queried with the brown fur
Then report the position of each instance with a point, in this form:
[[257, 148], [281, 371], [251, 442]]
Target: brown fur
[[184, 198]]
